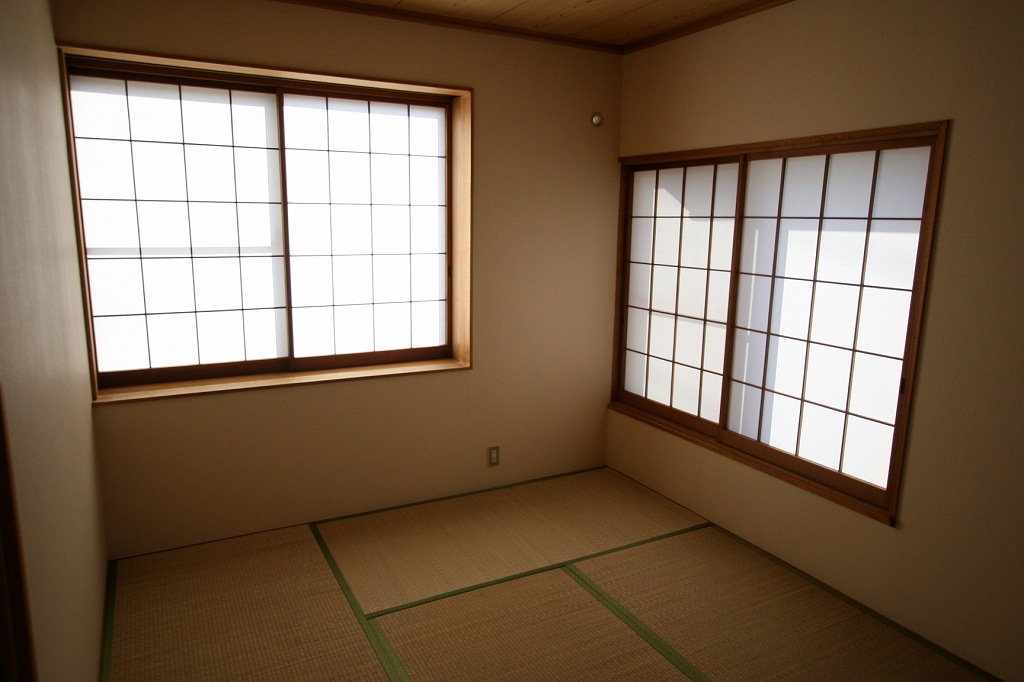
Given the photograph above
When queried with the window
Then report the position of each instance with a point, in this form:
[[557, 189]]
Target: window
[[771, 301], [236, 224]]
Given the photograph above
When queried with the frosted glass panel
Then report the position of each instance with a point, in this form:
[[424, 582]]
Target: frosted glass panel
[[427, 229], [899, 189], [663, 293], [883, 321], [115, 286], [168, 283], [686, 390], [348, 125], [214, 229], [781, 422], [718, 296], [392, 326], [876, 387], [662, 343], [689, 341], [206, 115], [692, 288], [354, 328], [643, 193], [210, 173], [389, 128], [841, 257], [848, 193], [636, 329], [172, 340], [99, 107], [699, 185], [254, 119], [313, 331], [835, 314], [221, 337], [714, 347], [744, 409], [259, 230], [427, 181], [757, 252], [428, 324], [791, 308], [711, 396], [218, 284], [635, 380], [391, 279], [121, 343], [696, 242], [262, 282], [353, 280], [305, 122], [748, 356], [670, 192], [312, 281], [351, 231], [154, 110], [389, 179], [265, 334], [798, 243], [111, 229], [427, 277], [752, 300], [659, 381], [350, 178], [802, 190], [164, 229], [786, 359], [390, 229], [159, 171], [257, 175], [821, 436], [828, 375], [725, 189], [868, 450], [105, 169], [640, 285], [309, 230], [763, 182], [641, 243], [721, 243], [426, 131], [307, 177], [666, 241], [892, 253]]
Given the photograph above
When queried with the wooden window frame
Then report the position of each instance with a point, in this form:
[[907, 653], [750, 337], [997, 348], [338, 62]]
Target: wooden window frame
[[877, 503], [454, 354]]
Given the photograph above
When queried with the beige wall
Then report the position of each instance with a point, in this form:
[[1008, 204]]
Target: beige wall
[[43, 364], [185, 470], [952, 567]]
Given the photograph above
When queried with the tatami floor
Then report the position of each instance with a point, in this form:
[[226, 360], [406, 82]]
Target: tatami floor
[[589, 576]]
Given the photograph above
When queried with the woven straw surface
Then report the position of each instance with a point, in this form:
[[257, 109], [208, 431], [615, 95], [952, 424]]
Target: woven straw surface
[[541, 627], [404, 555], [738, 615], [259, 607]]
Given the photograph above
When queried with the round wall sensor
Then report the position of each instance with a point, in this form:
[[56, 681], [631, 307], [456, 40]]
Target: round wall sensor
[[596, 118]]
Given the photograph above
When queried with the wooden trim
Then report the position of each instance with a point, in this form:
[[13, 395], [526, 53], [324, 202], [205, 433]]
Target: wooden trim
[[17, 658]]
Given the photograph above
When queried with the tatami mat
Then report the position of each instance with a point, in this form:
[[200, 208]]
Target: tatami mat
[[541, 627], [738, 615], [259, 607], [405, 555]]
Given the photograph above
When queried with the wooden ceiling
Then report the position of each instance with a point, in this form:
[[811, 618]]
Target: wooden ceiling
[[612, 25]]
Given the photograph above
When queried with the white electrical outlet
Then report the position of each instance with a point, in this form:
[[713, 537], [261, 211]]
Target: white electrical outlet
[[492, 456]]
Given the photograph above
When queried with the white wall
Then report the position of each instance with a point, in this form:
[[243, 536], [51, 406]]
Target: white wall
[[952, 567], [184, 470], [42, 356]]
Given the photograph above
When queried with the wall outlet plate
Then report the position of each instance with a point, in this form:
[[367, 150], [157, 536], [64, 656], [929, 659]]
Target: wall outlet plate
[[493, 456]]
